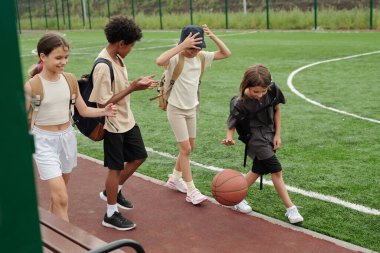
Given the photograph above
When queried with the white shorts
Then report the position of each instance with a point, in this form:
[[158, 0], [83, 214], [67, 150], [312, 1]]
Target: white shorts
[[55, 152], [183, 122]]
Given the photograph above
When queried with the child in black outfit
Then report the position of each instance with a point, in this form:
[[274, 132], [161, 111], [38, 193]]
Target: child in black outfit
[[265, 133]]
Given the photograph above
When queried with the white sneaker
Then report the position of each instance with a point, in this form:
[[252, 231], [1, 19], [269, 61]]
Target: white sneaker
[[195, 197], [243, 207], [293, 215], [176, 184]]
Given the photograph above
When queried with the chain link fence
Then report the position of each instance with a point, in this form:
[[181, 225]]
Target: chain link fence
[[220, 14]]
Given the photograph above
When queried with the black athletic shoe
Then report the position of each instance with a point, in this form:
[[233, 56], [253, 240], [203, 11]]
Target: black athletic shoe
[[122, 202], [117, 221]]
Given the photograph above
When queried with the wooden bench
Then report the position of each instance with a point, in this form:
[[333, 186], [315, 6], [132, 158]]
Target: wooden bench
[[60, 236]]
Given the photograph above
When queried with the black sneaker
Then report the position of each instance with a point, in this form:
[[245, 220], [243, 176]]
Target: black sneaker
[[122, 202], [117, 221]]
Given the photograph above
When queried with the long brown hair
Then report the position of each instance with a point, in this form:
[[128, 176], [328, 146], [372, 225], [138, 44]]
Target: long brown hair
[[46, 45], [256, 75]]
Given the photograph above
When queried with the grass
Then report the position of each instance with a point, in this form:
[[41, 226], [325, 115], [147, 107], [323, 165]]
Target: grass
[[322, 151]]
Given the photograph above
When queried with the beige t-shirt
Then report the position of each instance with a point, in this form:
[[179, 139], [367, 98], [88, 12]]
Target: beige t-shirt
[[103, 91], [184, 92]]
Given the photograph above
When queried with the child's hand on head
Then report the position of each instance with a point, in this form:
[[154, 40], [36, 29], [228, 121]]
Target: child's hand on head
[[191, 41], [207, 31]]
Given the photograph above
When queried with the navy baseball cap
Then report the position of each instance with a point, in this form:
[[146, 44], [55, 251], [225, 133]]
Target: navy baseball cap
[[193, 29]]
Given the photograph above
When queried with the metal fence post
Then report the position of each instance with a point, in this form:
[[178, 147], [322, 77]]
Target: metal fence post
[[83, 14], [267, 11], [133, 9], [108, 8], [226, 12], [191, 12], [370, 14], [30, 15], [89, 13], [160, 12], [315, 15], [63, 14], [18, 17], [56, 13], [45, 14], [68, 13]]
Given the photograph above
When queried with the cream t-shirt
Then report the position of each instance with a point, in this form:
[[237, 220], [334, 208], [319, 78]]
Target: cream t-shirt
[[103, 91], [184, 92]]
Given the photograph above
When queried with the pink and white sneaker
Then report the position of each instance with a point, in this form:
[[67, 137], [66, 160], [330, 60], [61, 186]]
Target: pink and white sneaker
[[176, 184], [195, 197]]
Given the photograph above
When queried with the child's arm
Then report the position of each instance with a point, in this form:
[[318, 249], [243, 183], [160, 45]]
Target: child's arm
[[277, 125], [223, 52], [229, 140], [89, 112], [189, 42]]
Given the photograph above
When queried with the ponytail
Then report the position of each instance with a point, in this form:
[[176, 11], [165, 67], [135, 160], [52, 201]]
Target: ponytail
[[36, 69]]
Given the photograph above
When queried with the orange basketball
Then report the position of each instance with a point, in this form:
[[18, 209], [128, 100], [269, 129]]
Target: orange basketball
[[229, 187]]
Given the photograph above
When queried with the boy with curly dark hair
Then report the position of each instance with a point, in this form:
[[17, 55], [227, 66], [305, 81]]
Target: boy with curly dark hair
[[124, 149]]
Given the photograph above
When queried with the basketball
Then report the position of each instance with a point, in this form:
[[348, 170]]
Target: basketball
[[229, 187]]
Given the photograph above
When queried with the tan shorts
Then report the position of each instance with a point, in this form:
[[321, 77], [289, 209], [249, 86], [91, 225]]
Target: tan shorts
[[183, 122]]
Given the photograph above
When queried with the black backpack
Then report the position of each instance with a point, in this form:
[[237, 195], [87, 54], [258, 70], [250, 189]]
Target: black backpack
[[90, 127], [242, 126]]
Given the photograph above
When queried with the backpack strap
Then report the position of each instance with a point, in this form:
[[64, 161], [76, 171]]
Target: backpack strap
[[73, 87], [105, 61], [37, 97], [203, 62], [178, 68]]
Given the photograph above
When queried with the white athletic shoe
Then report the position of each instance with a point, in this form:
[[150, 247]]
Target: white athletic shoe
[[293, 215], [195, 197], [176, 184], [243, 207]]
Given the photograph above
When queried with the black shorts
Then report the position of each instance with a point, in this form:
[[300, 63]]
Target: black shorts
[[270, 165], [123, 147]]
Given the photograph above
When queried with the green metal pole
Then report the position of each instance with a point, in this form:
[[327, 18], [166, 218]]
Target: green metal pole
[[30, 16], [89, 13], [191, 12], [160, 11], [18, 18], [315, 15], [133, 9], [56, 13], [63, 14], [83, 17], [370, 14], [267, 11], [68, 13], [45, 11], [108, 7], [17, 235], [226, 12]]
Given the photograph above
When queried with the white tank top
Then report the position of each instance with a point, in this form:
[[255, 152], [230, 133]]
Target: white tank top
[[55, 106]]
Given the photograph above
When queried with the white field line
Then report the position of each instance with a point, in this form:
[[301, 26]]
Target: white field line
[[295, 91], [310, 194]]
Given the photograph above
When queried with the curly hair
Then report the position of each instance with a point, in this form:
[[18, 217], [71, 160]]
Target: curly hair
[[122, 28], [257, 75]]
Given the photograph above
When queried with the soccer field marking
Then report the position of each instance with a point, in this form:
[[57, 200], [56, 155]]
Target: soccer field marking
[[295, 91], [310, 194]]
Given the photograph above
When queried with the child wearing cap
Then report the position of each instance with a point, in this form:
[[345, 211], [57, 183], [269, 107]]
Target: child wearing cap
[[183, 100]]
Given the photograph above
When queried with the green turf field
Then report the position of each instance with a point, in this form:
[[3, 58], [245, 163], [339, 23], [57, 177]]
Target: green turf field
[[323, 152]]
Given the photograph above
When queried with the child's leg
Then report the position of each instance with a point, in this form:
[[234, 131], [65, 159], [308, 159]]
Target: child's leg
[[279, 184], [183, 160], [59, 197], [251, 177]]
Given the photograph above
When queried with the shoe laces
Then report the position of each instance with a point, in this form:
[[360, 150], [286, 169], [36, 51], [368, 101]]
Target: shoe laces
[[195, 193], [293, 212]]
